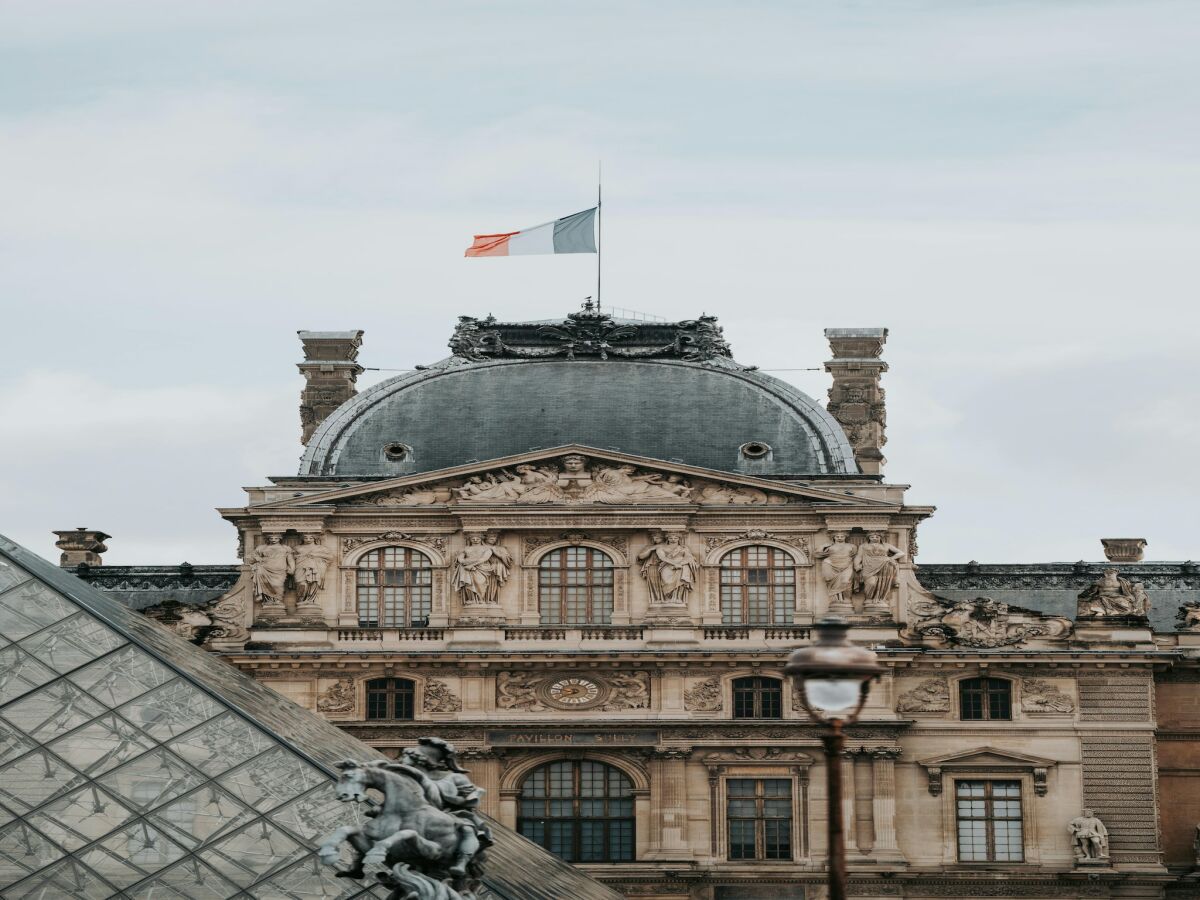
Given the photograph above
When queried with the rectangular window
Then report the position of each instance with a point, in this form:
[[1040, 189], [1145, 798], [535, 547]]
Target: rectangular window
[[989, 821], [759, 817]]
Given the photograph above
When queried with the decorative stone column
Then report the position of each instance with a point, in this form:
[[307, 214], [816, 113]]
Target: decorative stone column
[[856, 399], [81, 546], [670, 788], [849, 801], [884, 804], [330, 374]]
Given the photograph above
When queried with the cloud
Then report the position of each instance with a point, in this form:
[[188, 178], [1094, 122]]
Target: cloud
[[1009, 186]]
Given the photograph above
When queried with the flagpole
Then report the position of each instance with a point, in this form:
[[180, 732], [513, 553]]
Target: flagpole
[[599, 227]]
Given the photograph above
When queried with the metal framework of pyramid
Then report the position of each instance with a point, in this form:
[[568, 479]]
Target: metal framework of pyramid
[[135, 765]]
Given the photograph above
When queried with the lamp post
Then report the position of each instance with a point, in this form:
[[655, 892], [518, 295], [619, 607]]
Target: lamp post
[[834, 678]]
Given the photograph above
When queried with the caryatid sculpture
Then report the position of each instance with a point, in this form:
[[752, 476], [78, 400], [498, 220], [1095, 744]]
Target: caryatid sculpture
[[312, 559], [1089, 837], [876, 567], [837, 568], [670, 569], [427, 834], [480, 569], [270, 565]]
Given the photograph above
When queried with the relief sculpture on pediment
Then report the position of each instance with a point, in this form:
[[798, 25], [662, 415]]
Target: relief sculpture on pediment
[[574, 479]]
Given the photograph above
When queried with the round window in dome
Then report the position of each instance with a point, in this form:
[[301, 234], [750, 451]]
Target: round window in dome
[[755, 449], [396, 451]]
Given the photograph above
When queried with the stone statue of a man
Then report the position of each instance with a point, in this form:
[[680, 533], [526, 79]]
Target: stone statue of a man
[[1089, 837]]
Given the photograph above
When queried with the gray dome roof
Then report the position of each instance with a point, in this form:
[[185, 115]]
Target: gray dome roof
[[467, 410]]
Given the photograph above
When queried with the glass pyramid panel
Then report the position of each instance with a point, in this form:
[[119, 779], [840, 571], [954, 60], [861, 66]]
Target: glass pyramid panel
[[134, 765]]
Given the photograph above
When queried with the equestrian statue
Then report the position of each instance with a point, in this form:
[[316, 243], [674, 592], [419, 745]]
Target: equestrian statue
[[427, 833]]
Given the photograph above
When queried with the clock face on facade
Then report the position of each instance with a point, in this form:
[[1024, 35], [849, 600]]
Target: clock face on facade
[[574, 691]]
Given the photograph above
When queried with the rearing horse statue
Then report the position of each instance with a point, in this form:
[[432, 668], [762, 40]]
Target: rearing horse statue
[[407, 828]]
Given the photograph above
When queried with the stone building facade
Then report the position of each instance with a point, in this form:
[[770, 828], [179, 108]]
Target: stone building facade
[[582, 550]]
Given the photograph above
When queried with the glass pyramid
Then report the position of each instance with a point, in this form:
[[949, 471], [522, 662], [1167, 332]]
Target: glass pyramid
[[135, 765]]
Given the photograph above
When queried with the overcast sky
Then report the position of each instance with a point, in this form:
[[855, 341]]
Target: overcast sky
[[1011, 187]]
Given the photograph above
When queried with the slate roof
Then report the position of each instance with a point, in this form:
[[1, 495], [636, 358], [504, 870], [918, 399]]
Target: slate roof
[[666, 391], [135, 765]]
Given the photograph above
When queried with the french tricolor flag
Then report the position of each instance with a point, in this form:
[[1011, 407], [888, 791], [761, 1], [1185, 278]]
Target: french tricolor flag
[[574, 234]]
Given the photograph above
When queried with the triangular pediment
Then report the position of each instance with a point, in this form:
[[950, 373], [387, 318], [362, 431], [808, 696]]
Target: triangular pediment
[[984, 758], [575, 475]]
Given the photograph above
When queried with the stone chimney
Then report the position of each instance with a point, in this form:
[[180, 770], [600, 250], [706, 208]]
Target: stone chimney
[[81, 545], [856, 399], [1127, 550], [330, 373]]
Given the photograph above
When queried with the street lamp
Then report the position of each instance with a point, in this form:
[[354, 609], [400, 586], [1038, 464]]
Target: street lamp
[[834, 678]]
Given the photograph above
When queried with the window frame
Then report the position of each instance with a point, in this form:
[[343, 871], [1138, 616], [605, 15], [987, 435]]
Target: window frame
[[576, 799], [391, 693], [758, 694], [990, 688], [416, 595], [781, 583], [760, 819], [989, 781], [599, 584]]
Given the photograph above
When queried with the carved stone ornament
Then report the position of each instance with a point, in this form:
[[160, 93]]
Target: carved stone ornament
[[1111, 596], [436, 541], [800, 541], [704, 697], [427, 839], [540, 690], [439, 698], [1089, 839], [192, 623], [591, 334], [228, 616], [1188, 616], [981, 622], [337, 698], [931, 696], [573, 479], [532, 542], [1040, 696]]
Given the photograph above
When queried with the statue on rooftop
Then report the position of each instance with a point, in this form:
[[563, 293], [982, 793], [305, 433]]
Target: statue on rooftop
[[1111, 595]]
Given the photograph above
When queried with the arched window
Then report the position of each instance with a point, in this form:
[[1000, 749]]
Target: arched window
[[757, 698], [390, 698], [581, 811], [985, 698], [575, 587], [395, 588], [758, 587]]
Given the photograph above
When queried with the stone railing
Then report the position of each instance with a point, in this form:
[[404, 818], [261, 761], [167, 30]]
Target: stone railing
[[756, 633], [390, 634], [535, 633], [611, 633]]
